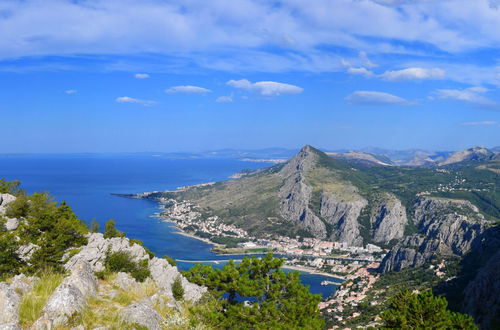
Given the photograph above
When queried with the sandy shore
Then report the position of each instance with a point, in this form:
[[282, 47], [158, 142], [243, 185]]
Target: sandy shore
[[314, 271]]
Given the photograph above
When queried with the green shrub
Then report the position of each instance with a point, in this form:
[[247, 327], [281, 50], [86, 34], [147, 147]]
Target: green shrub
[[423, 311], [94, 226], [170, 260], [10, 187], [10, 263], [111, 231], [121, 261], [177, 289]]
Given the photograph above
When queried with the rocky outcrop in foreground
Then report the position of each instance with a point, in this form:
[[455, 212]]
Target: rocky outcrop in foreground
[[71, 296], [446, 227]]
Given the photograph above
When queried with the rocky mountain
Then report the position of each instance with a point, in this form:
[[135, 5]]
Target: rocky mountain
[[476, 154], [347, 201], [312, 194], [446, 227]]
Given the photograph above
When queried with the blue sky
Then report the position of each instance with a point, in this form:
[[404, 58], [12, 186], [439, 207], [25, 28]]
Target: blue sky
[[156, 75]]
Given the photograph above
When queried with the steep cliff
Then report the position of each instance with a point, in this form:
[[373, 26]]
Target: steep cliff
[[446, 227], [388, 219]]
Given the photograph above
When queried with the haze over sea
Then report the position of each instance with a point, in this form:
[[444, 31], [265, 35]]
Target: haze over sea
[[86, 182]]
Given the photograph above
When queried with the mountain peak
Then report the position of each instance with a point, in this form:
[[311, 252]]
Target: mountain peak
[[476, 153], [304, 160]]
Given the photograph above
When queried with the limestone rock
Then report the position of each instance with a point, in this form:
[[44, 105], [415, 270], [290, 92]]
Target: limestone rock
[[11, 224], [9, 326], [95, 251], [446, 227], [9, 304], [143, 314], [26, 251], [343, 214], [125, 281], [5, 199], [388, 219], [23, 283], [164, 275], [69, 297]]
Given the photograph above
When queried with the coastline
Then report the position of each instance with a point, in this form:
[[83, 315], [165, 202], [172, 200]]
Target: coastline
[[206, 240], [314, 272]]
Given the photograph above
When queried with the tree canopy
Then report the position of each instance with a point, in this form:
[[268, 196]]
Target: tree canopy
[[257, 294], [423, 311]]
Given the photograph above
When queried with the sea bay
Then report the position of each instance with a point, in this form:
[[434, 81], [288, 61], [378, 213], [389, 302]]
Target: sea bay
[[87, 182]]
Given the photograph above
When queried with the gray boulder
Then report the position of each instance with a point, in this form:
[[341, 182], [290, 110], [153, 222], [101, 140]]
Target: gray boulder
[[95, 251], [9, 326], [9, 304], [143, 314], [125, 281], [164, 275], [69, 297], [22, 283]]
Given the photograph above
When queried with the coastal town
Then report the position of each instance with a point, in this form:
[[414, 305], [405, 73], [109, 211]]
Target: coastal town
[[354, 266]]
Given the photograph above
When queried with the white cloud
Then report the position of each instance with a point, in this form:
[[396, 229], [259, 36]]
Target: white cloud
[[470, 95], [266, 88], [365, 60], [131, 100], [375, 98], [360, 71], [479, 123], [414, 74], [187, 90], [33, 28], [224, 99], [70, 91], [141, 75]]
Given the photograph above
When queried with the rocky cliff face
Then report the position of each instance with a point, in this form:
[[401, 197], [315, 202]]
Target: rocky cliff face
[[295, 199], [343, 215], [295, 194], [339, 208], [446, 227], [482, 295], [388, 219]]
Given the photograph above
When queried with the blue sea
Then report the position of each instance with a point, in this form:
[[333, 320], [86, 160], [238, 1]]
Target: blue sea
[[87, 182]]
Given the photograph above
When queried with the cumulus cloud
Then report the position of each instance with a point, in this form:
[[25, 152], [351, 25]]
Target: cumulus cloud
[[187, 90], [413, 74], [471, 95], [224, 99], [266, 88], [141, 75], [375, 98], [131, 100], [361, 71], [479, 123], [70, 91]]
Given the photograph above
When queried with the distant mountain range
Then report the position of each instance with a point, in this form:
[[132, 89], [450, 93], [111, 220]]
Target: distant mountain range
[[378, 156]]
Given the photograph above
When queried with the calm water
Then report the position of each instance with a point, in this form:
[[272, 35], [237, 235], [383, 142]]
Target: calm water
[[87, 181]]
